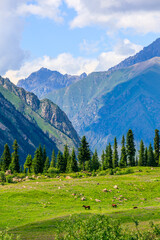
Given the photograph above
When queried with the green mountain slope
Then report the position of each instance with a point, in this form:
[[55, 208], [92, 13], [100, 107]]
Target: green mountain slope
[[13, 125], [44, 114], [97, 112]]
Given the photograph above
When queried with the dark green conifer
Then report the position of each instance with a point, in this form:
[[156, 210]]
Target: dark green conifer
[[44, 156], [37, 161], [60, 162], [151, 161], [110, 157], [65, 156], [46, 165], [73, 162], [156, 147], [14, 166], [84, 154], [53, 159], [115, 154], [102, 159], [130, 147], [105, 163], [6, 158], [28, 163], [41, 159], [141, 161], [123, 159], [95, 161]]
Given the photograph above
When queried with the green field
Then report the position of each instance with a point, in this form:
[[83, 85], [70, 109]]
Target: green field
[[35, 209]]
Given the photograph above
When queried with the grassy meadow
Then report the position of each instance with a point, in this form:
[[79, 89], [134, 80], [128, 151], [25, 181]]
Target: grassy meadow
[[39, 208]]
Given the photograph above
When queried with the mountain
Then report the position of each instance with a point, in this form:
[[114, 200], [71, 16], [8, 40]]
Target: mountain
[[45, 81], [13, 125], [44, 115], [104, 105], [151, 51]]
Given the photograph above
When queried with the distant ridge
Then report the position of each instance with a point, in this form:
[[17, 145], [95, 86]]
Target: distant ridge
[[151, 51]]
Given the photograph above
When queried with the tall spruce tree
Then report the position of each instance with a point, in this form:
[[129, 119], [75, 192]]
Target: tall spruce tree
[[141, 160], [146, 157], [37, 162], [105, 162], [110, 156], [151, 160], [6, 158], [41, 159], [84, 154], [102, 159], [66, 156], [130, 147], [14, 166], [115, 154], [44, 156], [123, 159], [46, 165], [95, 161], [60, 162], [73, 162], [156, 147], [53, 159], [28, 163]]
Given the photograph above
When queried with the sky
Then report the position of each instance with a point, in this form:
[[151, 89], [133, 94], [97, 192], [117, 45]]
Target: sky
[[73, 36]]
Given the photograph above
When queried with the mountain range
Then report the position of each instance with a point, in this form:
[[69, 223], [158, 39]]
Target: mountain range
[[106, 104], [32, 121]]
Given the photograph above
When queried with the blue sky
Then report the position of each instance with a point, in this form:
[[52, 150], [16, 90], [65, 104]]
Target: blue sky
[[73, 36]]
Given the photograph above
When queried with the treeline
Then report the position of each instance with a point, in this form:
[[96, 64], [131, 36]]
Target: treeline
[[67, 162]]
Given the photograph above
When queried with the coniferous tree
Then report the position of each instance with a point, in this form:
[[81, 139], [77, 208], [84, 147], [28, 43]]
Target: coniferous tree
[[14, 166], [105, 162], [84, 154], [60, 162], [88, 166], [156, 147], [95, 161], [146, 157], [130, 147], [37, 161], [110, 157], [28, 163], [102, 158], [46, 165], [66, 156], [115, 154], [68, 168], [73, 162], [6, 158], [136, 162], [44, 156], [41, 159], [53, 159], [141, 154], [151, 161], [123, 159]]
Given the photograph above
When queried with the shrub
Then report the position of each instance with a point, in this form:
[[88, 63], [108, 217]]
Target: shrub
[[9, 179], [2, 177]]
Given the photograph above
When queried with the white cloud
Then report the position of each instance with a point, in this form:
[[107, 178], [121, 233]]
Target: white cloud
[[141, 15], [66, 63]]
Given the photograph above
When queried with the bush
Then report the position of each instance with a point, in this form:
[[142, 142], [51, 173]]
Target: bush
[[53, 170], [2, 177], [9, 179]]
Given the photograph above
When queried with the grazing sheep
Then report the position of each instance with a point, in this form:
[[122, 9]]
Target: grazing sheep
[[97, 200], [83, 199], [86, 207]]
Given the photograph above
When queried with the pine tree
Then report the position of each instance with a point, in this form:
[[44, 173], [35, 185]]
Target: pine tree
[[28, 163], [123, 159], [84, 154], [105, 163], [6, 158], [136, 162], [151, 161], [46, 165], [141, 154], [110, 157], [130, 146], [68, 168], [37, 162], [65, 156], [73, 163], [60, 162], [14, 166], [41, 159], [102, 158], [44, 156], [156, 147], [53, 160], [95, 161], [115, 154], [145, 157]]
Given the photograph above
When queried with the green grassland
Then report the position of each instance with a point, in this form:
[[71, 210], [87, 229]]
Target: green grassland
[[37, 209]]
